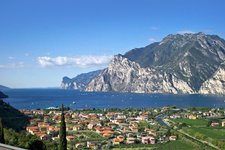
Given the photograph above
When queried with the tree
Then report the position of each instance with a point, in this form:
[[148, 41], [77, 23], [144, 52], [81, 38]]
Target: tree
[[209, 123], [37, 145], [62, 133], [2, 139]]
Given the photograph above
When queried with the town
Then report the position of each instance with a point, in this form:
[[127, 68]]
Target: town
[[130, 128]]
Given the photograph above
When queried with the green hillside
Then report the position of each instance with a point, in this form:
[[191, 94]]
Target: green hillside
[[12, 118], [2, 95]]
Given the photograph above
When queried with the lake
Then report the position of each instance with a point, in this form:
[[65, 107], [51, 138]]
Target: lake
[[44, 98]]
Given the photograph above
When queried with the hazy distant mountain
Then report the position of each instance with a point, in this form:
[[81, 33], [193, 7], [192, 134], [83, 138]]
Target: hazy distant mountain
[[4, 87], [80, 81], [189, 63]]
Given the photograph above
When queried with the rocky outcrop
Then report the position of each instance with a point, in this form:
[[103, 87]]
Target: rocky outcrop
[[80, 81], [216, 84], [127, 76]]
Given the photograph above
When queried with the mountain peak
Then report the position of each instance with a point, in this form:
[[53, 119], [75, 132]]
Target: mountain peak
[[180, 63], [191, 56], [184, 35]]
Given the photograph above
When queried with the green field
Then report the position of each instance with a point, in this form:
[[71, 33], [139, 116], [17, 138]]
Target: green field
[[198, 129], [199, 126], [208, 132], [176, 145], [197, 122], [172, 145]]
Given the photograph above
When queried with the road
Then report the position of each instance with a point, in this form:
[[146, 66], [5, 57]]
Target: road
[[160, 118]]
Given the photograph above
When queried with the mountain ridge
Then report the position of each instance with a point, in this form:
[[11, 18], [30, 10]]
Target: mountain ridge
[[177, 64], [178, 51], [2, 87], [80, 81], [3, 95]]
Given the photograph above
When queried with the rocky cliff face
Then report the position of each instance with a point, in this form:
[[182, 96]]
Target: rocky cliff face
[[127, 76], [80, 81], [194, 58], [189, 63], [216, 84]]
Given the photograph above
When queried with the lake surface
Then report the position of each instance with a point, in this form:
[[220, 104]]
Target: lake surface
[[44, 98]]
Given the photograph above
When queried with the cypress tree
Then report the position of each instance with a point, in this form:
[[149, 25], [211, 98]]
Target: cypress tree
[[62, 133], [2, 140]]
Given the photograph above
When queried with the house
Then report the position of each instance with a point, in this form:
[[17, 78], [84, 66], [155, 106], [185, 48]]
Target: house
[[223, 123], [50, 128], [141, 117], [131, 140], [76, 127], [69, 128], [75, 115], [121, 116], [45, 137], [70, 138], [43, 124], [116, 141], [120, 137], [102, 118], [32, 129], [90, 126], [150, 131], [110, 115], [192, 117], [100, 129], [214, 124], [148, 140], [173, 138], [112, 125], [80, 145], [107, 133], [92, 116], [92, 145], [134, 129]]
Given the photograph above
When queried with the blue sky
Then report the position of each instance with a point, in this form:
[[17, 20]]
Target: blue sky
[[43, 40]]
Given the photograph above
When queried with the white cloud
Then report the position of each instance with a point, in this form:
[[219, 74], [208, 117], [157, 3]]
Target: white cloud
[[185, 31], [14, 65], [11, 57], [27, 54], [152, 40], [81, 61], [154, 28]]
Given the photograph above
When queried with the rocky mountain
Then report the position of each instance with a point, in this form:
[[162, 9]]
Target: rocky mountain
[[215, 84], [128, 76], [192, 57], [188, 63], [80, 81]]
